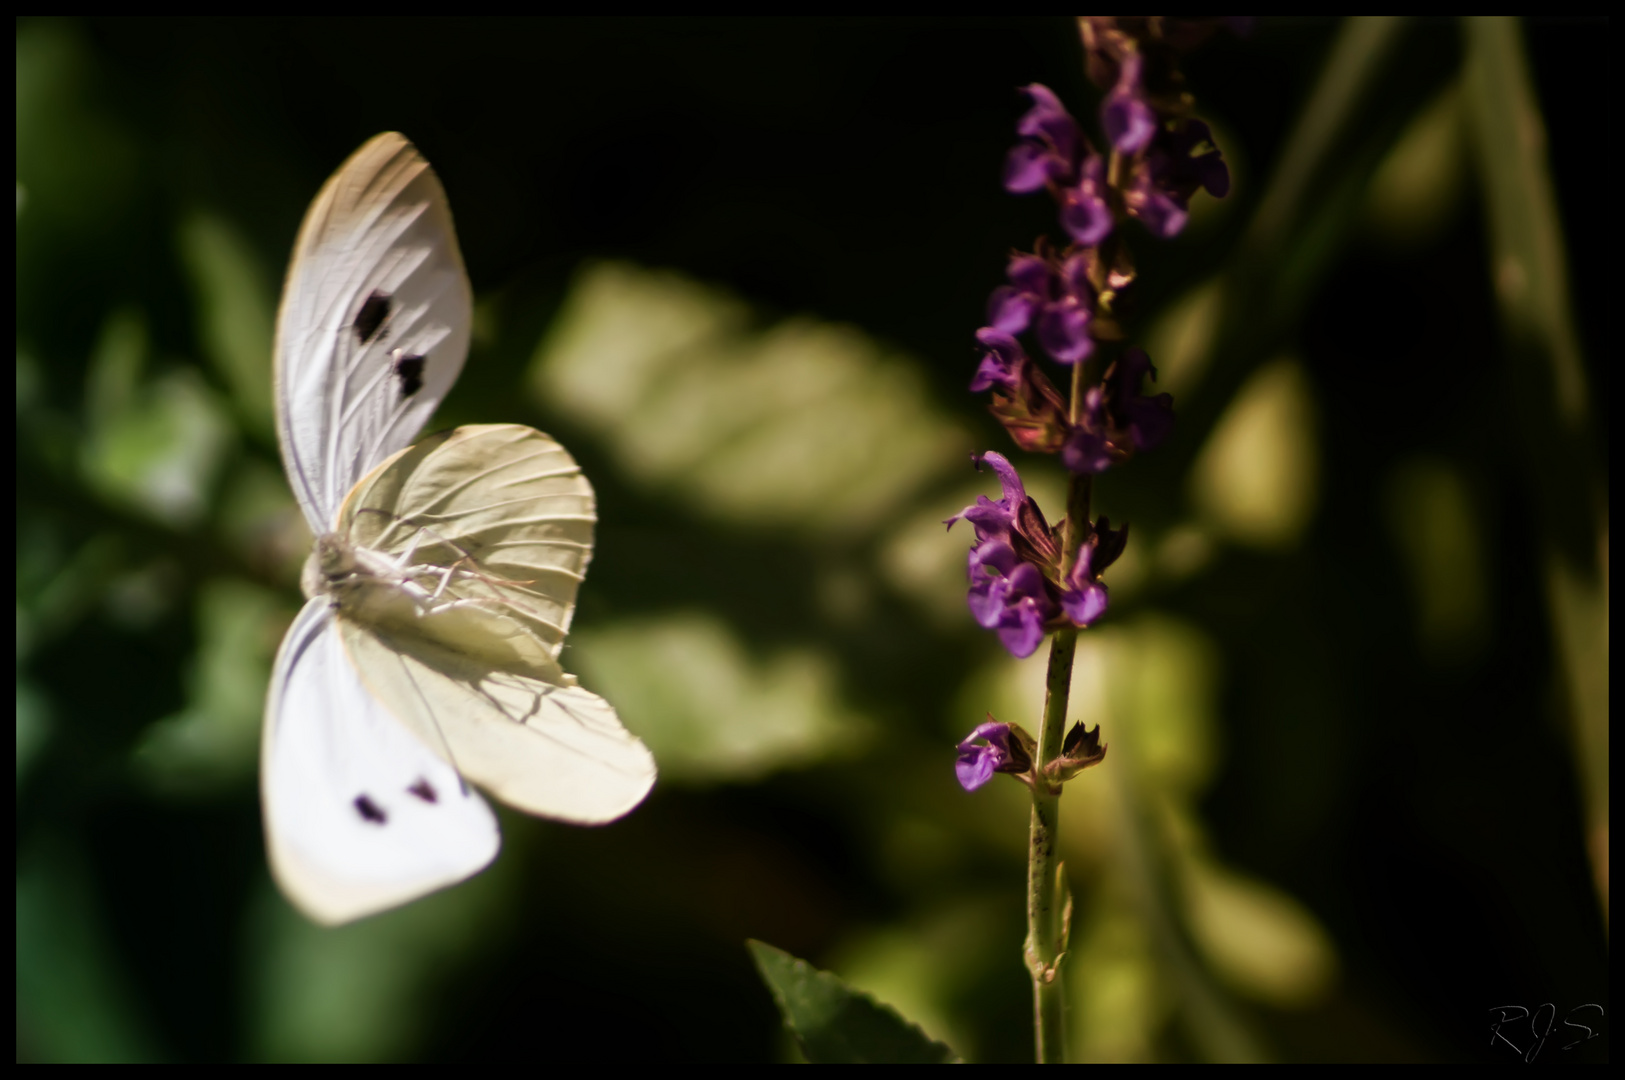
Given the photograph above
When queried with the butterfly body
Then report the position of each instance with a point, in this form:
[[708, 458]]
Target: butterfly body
[[441, 585]]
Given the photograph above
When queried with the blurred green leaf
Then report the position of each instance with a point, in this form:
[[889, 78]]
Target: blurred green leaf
[[155, 445], [357, 992], [214, 743], [1305, 214], [233, 306], [77, 165], [835, 1024], [690, 400], [1439, 536], [1256, 481], [935, 966], [1119, 1001], [72, 1001], [1260, 940], [1418, 191], [1564, 470], [54, 590], [34, 723], [707, 709]]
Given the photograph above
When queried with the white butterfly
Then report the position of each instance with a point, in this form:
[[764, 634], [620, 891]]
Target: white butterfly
[[442, 582]]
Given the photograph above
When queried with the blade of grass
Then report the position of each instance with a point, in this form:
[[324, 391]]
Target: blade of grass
[[1546, 382]]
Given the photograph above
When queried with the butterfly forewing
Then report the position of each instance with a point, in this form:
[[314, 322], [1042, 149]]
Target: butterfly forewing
[[374, 323]]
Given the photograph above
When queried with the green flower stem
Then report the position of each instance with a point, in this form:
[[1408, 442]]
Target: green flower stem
[[1047, 894], [1044, 945]]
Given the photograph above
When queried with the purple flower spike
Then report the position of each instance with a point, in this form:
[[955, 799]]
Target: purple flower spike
[[1149, 420], [1004, 751], [1127, 117]]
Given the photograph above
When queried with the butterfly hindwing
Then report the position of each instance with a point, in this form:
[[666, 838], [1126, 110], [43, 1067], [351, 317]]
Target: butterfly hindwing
[[504, 502], [535, 740], [507, 511], [360, 815]]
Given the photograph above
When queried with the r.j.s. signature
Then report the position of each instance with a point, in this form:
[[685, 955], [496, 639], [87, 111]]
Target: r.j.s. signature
[[1509, 1018]]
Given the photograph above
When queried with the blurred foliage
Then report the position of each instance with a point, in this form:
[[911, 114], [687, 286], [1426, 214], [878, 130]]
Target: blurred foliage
[[1356, 792]]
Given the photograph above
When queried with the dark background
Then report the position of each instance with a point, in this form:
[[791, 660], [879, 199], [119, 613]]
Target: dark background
[[1428, 816]]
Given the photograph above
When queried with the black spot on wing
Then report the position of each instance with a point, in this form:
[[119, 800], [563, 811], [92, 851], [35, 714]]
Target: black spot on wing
[[424, 790], [370, 319], [369, 810], [409, 371]]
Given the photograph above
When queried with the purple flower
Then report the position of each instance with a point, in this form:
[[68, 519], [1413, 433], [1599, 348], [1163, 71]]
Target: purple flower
[[1084, 598], [1126, 115], [1048, 152], [1009, 567], [1011, 308], [995, 520], [1085, 213], [1014, 519], [1053, 153], [1088, 447], [1116, 419], [1024, 606], [1060, 299], [1174, 166], [1004, 751], [1063, 327], [990, 565], [1002, 364], [1147, 420], [1009, 596]]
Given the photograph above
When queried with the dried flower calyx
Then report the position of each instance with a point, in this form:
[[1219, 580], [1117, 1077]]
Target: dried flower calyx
[[996, 747]]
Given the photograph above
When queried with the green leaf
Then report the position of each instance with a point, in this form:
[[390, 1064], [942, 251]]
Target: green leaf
[[690, 687], [834, 1023], [695, 403]]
